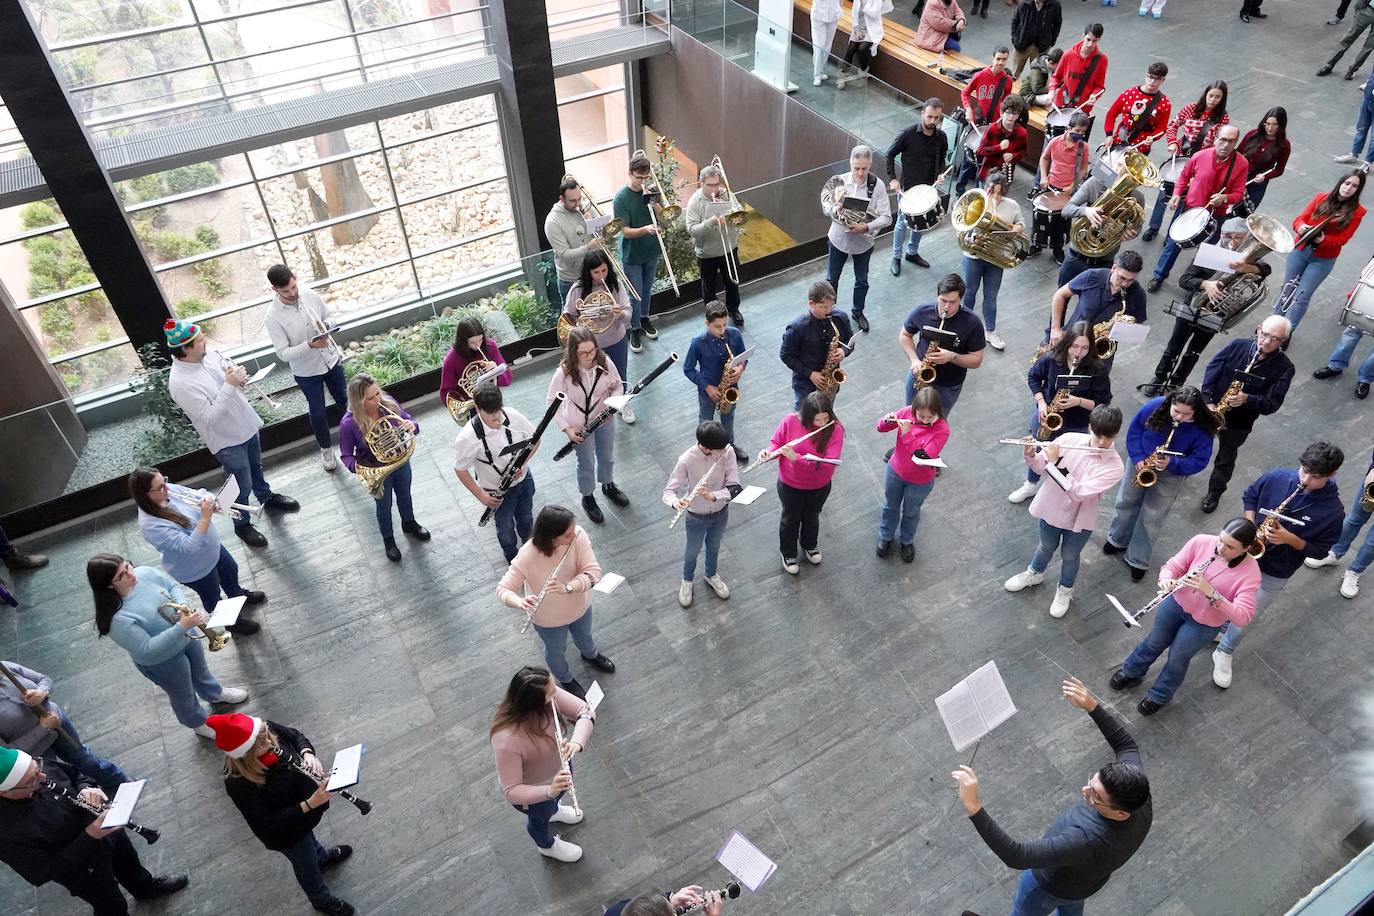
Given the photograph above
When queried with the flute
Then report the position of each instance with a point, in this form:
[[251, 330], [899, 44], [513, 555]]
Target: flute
[[563, 756], [1133, 620], [1039, 443], [299, 766], [729, 891], [67, 795], [692, 493], [771, 455], [529, 614]]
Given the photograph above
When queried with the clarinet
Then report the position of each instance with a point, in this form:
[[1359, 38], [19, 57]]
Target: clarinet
[[608, 412], [522, 457], [67, 795], [299, 766], [729, 891]]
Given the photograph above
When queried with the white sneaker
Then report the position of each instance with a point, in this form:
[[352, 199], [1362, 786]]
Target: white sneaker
[[1023, 492], [718, 586], [813, 556], [684, 593], [204, 731], [1024, 579], [995, 340], [329, 460], [1350, 584], [562, 850], [1060, 606], [567, 814], [627, 415], [1318, 562], [816, 81], [233, 696], [789, 566], [1346, 159], [1221, 668]]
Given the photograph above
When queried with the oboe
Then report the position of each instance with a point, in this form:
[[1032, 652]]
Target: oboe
[[67, 795], [529, 615], [729, 891], [299, 766], [692, 493], [563, 755]]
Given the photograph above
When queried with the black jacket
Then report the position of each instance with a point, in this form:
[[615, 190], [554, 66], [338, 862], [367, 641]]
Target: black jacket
[[43, 838], [922, 156], [1039, 27], [273, 810], [806, 342]]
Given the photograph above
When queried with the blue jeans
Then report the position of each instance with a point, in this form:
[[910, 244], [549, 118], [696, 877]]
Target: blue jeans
[[1232, 632], [706, 410], [224, 576], [1182, 636], [515, 516], [1362, 125], [1139, 511], [537, 820], [949, 394], [1313, 270], [1069, 543], [951, 44], [619, 355], [555, 641], [1169, 254], [835, 266], [185, 677], [901, 501], [596, 458], [1355, 520], [1345, 349], [565, 287], [244, 463], [306, 856], [641, 276], [1034, 900], [976, 272], [1157, 213], [313, 386], [703, 530], [1256, 193], [107, 775], [397, 483], [902, 234]]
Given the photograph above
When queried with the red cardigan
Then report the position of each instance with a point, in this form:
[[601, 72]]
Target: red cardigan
[[990, 148], [1333, 237]]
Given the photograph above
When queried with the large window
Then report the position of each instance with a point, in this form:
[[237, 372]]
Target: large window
[[594, 126]]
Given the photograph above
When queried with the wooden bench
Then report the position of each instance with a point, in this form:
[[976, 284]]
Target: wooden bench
[[902, 64]]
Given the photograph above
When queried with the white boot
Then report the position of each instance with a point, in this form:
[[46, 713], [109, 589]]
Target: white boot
[[329, 460], [567, 814], [1221, 668], [1350, 584], [562, 850], [1023, 492], [1023, 579], [1318, 562], [1060, 606], [684, 593]]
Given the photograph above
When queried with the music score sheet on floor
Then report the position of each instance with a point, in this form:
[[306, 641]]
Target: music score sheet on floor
[[972, 708], [746, 861]]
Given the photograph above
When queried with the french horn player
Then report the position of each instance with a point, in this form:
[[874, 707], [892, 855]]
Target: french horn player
[[473, 355], [377, 438], [599, 302]]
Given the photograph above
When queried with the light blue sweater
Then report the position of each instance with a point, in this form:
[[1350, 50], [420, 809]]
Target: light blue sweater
[[137, 626], [187, 554]]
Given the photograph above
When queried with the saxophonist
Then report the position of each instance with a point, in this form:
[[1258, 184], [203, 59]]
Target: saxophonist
[[705, 367], [1261, 358], [807, 340], [369, 406], [1317, 505], [1103, 293], [1361, 508], [951, 363]]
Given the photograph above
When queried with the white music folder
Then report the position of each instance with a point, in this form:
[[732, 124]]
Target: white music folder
[[226, 612], [746, 861], [344, 773], [121, 809], [972, 708]]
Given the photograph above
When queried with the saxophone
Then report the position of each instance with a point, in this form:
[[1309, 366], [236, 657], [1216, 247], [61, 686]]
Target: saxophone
[[1120, 211], [1148, 476], [832, 376], [1053, 422], [1103, 345], [727, 393], [925, 375], [1236, 387], [1270, 525]]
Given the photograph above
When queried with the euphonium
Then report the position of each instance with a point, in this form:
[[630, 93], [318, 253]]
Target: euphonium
[[1053, 421], [832, 200], [1103, 345], [392, 443], [1367, 500], [727, 393], [1241, 292], [460, 408], [832, 376], [1269, 525], [1120, 211], [1148, 476], [984, 235], [214, 639], [596, 313]]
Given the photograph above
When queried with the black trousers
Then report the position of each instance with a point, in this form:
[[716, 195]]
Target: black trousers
[[100, 885], [1251, 6], [1229, 442], [860, 52], [1182, 352], [714, 276], [801, 518]]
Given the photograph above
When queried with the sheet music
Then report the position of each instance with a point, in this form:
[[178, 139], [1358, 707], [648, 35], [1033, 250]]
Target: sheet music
[[748, 495], [596, 224], [972, 708], [609, 582], [1130, 621], [487, 376], [1128, 332], [261, 374], [990, 693], [594, 696], [228, 494], [929, 462], [741, 357], [746, 861], [227, 612], [122, 807], [344, 772], [1214, 257]]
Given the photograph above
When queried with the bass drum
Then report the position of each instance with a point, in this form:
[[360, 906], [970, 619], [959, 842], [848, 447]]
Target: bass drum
[[1193, 227], [923, 206]]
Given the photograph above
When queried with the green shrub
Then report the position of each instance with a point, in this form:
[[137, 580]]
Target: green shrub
[[39, 214], [190, 177], [172, 433], [59, 329], [527, 310], [207, 237]]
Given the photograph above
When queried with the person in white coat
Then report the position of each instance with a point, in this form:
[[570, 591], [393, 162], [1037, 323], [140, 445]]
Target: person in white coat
[[866, 34], [825, 19]]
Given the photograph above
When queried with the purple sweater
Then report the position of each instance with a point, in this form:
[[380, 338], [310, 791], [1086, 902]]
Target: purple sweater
[[353, 449]]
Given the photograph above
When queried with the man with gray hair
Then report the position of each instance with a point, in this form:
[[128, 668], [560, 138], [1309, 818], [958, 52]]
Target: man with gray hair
[[858, 209], [715, 241]]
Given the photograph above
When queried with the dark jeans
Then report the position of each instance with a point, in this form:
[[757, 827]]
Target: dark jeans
[[835, 267], [313, 386], [860, 52], [714, 276], [397, 484], [801, 518], [537, 820], [244, 462], [1182, 636], [306, 857], [1034, 900], [619, 355], [1182, 352], [107, 775], [565, 287], [515, 517], [949, 394], [224, 576], [100, 885], [1229, 442]]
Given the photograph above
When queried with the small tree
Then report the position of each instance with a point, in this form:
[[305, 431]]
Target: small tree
[[172, 432]]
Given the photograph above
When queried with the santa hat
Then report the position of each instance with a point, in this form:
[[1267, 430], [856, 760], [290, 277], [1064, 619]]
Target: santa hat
[[180, 333], [235, 732], [14, 766]]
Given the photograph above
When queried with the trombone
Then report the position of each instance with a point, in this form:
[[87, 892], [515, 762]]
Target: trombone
[[654, 188], [609, 235], [737, 216]]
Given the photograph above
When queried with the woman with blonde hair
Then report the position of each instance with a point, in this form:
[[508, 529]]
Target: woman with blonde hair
[[368, 405]]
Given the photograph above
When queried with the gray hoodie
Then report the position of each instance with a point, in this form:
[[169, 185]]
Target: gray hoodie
[[567, 232], [706, 234]]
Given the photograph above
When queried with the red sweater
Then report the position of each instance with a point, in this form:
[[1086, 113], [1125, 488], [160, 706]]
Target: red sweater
[[1334, 237], [981, 90], [1202, 177], [1264, 154], [1187, 126], [990, 149], [1128, 107], [1064, 85]]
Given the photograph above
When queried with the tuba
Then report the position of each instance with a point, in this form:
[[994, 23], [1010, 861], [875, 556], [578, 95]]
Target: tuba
[[832, 375], [460, 408], [596, 313], [172, 611], [727, 392], [1148, 476], [392, 443], [984, 235], [1267, 527], [1120, 211], [1241, 292]]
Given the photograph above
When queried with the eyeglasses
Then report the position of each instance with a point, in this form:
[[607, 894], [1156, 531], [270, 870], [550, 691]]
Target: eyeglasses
[[125, 572], [1265, 335]]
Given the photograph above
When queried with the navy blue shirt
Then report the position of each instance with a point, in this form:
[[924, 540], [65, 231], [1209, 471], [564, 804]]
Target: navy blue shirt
[[1275, 372], [1320, 511], [1193, 442], [1043, 379], [967, 326], [706, 356], [805, 343], [1096, 303]]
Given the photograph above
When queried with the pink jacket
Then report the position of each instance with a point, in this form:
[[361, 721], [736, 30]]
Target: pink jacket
[[1090, 474], [931, 438], [936, 23], [526, 764], [531, 569], [578, 409], [803, 474], [1235, 587]]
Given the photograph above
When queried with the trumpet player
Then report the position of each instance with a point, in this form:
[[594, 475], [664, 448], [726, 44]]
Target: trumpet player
[[709, 474], [980, 272], [188, 542], [129, 609], [1211, 581], [552, 578], [1268, 372], [921, 433], [280, 804], [851, 234], [479, 465], [566, 229], [1102, 293], [810, 338], [586, 377], [297, 321], [1361, 507], [369, 406], [1171, 438], [949, 312], [804, 483], [705, 364], [1317, 506], [1067, 511], [715, 240], [639, 245], [44, 838], [471, 344], [209, 390], [597, 275]]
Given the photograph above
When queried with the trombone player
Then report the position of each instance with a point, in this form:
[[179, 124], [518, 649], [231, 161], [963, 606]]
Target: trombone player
[[715, 238], [566, 229], [640, 245]]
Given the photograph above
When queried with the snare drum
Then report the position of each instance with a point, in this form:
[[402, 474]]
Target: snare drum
[[1358, 313], [923, 206], [1193, 227], [1244, 208], [1056, 123], [1168, 174]]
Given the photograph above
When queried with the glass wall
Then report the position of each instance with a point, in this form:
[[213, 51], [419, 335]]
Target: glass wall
[[593, 122]]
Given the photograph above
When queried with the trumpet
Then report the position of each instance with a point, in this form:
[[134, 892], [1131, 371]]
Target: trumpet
[[1133, 620], [529, 614], [563, 755], [727, 392], [608, 235], [72, 798], [299, 766], [1269, 526], [1148, 476], [215, 639], [189, 501], [671, 211], [729, 891], [692, 493], [736, 217]]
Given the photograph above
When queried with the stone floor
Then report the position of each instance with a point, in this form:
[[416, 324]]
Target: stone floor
[[801, 711]]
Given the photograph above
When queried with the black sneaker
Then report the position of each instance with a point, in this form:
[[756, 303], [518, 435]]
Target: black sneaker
[[908, 552], [896, 267], [281, 503], [254, 597], [636, 340], [250, 536], [17, 561], [884, 548], [1154, 285], [333, 906], [615, 494], [1149, 707], [648, 328], [1326, 372], [415, 530], [1362, 390], [592, 509], [741, 456], [1136, 572], [1210, 502], [861, 321], [1325, 70], [163, 885], [1109, 548], [1059, 258], [918, 260], [1120, 681], [337, 856], [737, 318], [243, 627], [601, 663], [393, 553], [1149, 234], [574, 688]]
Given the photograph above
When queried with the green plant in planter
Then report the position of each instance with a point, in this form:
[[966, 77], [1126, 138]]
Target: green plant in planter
[[526, 309], [676, 240], [172, 433]]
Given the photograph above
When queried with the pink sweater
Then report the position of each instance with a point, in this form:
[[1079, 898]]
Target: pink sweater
[[803, 474], [1235, 587], [526, 764], [531, 569], [1090, 475], [931, 438], [584, 400]]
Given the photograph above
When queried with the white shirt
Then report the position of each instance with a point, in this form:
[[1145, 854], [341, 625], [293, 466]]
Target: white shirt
[[825, 10], [469, 455], [290, 327], [219, 411], [879, 216], [1009, 212]]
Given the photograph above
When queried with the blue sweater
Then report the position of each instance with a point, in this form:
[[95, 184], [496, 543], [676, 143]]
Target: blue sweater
[[1195, 444], [187, 554], [137, 626], [1320, 510], [706, 357]]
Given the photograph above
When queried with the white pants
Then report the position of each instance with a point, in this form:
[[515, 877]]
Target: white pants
[[822, 37], [1154, 6]]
